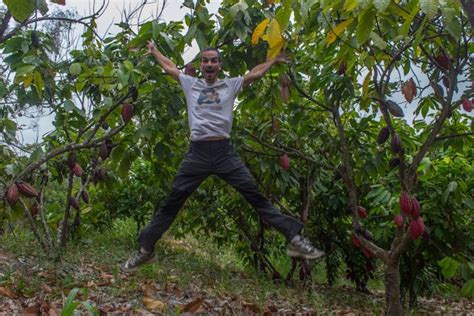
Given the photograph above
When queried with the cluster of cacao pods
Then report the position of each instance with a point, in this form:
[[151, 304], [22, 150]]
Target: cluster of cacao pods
[[410, 207], [17, 188], [358, 244]]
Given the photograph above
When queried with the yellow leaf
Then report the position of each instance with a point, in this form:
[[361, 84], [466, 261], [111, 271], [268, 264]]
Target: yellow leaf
[[273, 51], [274, 33], [365, 84], [258, 31], [350, 5], [28, 80], [338, 30], [152, 304]]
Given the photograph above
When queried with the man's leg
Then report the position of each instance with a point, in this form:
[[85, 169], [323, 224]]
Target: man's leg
[[191, 173], [233, 171]]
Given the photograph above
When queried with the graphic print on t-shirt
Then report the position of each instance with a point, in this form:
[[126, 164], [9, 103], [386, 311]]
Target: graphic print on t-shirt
[[209, 96]]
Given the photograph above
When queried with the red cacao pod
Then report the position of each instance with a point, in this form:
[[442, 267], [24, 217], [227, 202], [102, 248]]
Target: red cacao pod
[[467, 105], [342, 68], [85, 196], [361, 212], [398, 220], [383, 135], [127, 112], [443, 61], [73, 202], [406, 203], [26, 189], [417, 227], [355, 241], [396, 144], [13, 195], [415, 208], [368, 253], [77, 170], [285, 161]]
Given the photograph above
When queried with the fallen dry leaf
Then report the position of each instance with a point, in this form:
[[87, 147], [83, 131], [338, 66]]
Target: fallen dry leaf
[[152, 304], [7, 292], [193, 306]]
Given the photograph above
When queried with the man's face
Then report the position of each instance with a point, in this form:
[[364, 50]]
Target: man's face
[[210, 65]]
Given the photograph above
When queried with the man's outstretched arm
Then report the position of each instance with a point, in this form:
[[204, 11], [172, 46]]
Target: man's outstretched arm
[[258, 71], [168, 66]]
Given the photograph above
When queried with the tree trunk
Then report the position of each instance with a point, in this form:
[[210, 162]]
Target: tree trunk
[[392, 288]]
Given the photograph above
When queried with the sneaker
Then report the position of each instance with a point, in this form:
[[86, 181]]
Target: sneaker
[[138, 258], [301, 247]]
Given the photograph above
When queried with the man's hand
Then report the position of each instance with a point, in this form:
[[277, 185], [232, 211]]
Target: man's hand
[[282, 58], [258, 71], [168, 66], [151, 47]]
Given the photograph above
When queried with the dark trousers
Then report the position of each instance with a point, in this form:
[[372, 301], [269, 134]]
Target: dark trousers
[[203, 159]]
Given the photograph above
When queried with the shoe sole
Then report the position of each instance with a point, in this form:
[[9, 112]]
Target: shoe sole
[[295, 254], [124, 268]]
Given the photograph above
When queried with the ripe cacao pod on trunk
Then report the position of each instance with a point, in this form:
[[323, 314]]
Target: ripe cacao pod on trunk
[[398, 220], [417, 227], [369, 254], [285, 161], [415, 210], [13, 195], [127, 112], [383, 135], [355, 241], [27, 189], [361, 212], [77, 170], [406, 203]]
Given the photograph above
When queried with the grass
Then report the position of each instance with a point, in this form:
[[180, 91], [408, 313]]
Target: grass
[[184, 270]]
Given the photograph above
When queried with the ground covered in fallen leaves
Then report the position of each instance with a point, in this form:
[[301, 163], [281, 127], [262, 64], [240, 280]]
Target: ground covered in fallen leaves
[[184, 279]]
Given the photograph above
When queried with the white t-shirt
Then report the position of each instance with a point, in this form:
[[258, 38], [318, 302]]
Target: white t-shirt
[[210, 106]]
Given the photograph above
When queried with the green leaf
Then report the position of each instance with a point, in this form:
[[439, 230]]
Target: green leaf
[[381, 5], [39, 83], [449, 267], [20, 9], [365, 25], [429, 7], [188, 4], [451, 22], [468, 289], [283, 14], [25, 70], [350, 5], [69, 106], [70, 305], [378, 41]]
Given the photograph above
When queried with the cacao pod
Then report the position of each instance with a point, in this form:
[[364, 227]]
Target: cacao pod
[[394, 162], [77, 170], [361, 212], [127, 112], [396, 143], [26, 189], [73, 202], [406, 203], [467, 105], [12, 194], [369, 254], [71, 160], [35, 41], [34, 209], [285, 161], [409, 90], [417, 227], [85, 196], [355, 241], [443, 61], [367, 235], [383, 135], [415, 208], [342, 68], [398, 220], [104, 151], [100, 174], [394, 108]]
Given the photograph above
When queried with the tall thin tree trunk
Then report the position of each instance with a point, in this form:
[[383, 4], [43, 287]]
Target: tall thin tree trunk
[[392, 288]]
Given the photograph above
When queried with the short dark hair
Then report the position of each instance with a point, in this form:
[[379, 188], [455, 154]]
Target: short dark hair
[[211, 49]]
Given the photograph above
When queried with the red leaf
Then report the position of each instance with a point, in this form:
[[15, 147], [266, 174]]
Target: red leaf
[[409, 90]]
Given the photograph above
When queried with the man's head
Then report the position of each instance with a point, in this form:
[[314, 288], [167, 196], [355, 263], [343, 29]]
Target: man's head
[[210, 64]]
